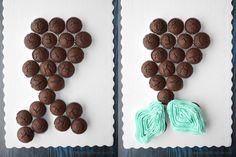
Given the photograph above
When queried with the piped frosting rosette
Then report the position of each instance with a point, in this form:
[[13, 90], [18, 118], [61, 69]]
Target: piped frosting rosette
[[150, 122], [185, 116]]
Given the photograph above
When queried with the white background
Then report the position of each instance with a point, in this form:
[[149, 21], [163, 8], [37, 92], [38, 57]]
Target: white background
[[91, 85], [209, 86]]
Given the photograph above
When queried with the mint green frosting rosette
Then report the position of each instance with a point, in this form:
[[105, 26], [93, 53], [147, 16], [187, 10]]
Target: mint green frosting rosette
[[185, 116], [150, 122]]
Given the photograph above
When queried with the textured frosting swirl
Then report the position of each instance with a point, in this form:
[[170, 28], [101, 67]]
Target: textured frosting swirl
[[186, 116], [150, 122]]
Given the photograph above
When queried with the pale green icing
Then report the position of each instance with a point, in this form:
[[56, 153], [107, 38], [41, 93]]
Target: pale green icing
[[186, 116], [150, 122]]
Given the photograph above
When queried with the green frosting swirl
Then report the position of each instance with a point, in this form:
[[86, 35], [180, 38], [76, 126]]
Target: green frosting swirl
[[185, 116], [150, 122]]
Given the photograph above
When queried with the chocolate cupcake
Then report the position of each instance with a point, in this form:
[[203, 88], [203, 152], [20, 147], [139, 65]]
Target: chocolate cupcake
[[62, 123], [159, 55], [57, 25], [73, 25], [39, 26], [66, 40], [176, 26], [47, 96], [75, 55], [192, 25], [37, 109], [157, 82], [74, 110], [23, 118], [165, 96], [48, 68], [66, 69], [149, 69], [40, 54], [56, 82], [79, 126], [49, 40], [58, 54], [158, 26], [83, 39], [185, 41], [166, 68], [25, 134], [201, 40], [30, 68], [174, 83], [176, 55], [38, 82], [39, 125], [32, 40], [58, 107], [168, 40], [194, 56], [184, 70], [151, 41]]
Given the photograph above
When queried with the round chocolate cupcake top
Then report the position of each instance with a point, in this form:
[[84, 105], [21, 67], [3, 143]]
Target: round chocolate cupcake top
[[149, 69], [194, 56], [38, 82], [75, 55], [168, 40], [159, 55], [40, 54], [166, 68], [39, 125], [74, 110], [185, 41], [47, 96], [184, 69], [58, 54], [23, 118], [151, 41], [165, 96], [58, 107], [56, 82], [158, 26], [30, 68], [62, 123], [66, 40], [157, 82], [37, 109], [79, 126], [174, 83], [49, 40], [32, 40], [48, 68], [192, 25], [176, 26], [83, 39], [39, 26], [176, 55], [66, 69], [201, 40], [73, 25], [57, 25], [25, 134]]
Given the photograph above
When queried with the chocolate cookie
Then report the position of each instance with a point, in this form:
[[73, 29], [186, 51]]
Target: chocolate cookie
[[49, 40], [194, 56], [73, 25], [184, 69], [47, 96], [39, 125], [174, 83], [56, 82], [62, 123], [157, 82], [30, 68], [74, 110], [48, 68], [23, 118], [158, 26], [185, 41], [38, 82], [165, 96], [192, 25], [166, 68], [57, 25], [149, 69], [201, 40], [159, 55], [25, 134], [66, 69], [37, 109], [75, 55], [176, 26], [66, 40], [176, 55], [32, 40], [39, 26], [151, 41], [83, 39], [168, 40], [58, 54], [58, 107], [40, 54], [79, 126]]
